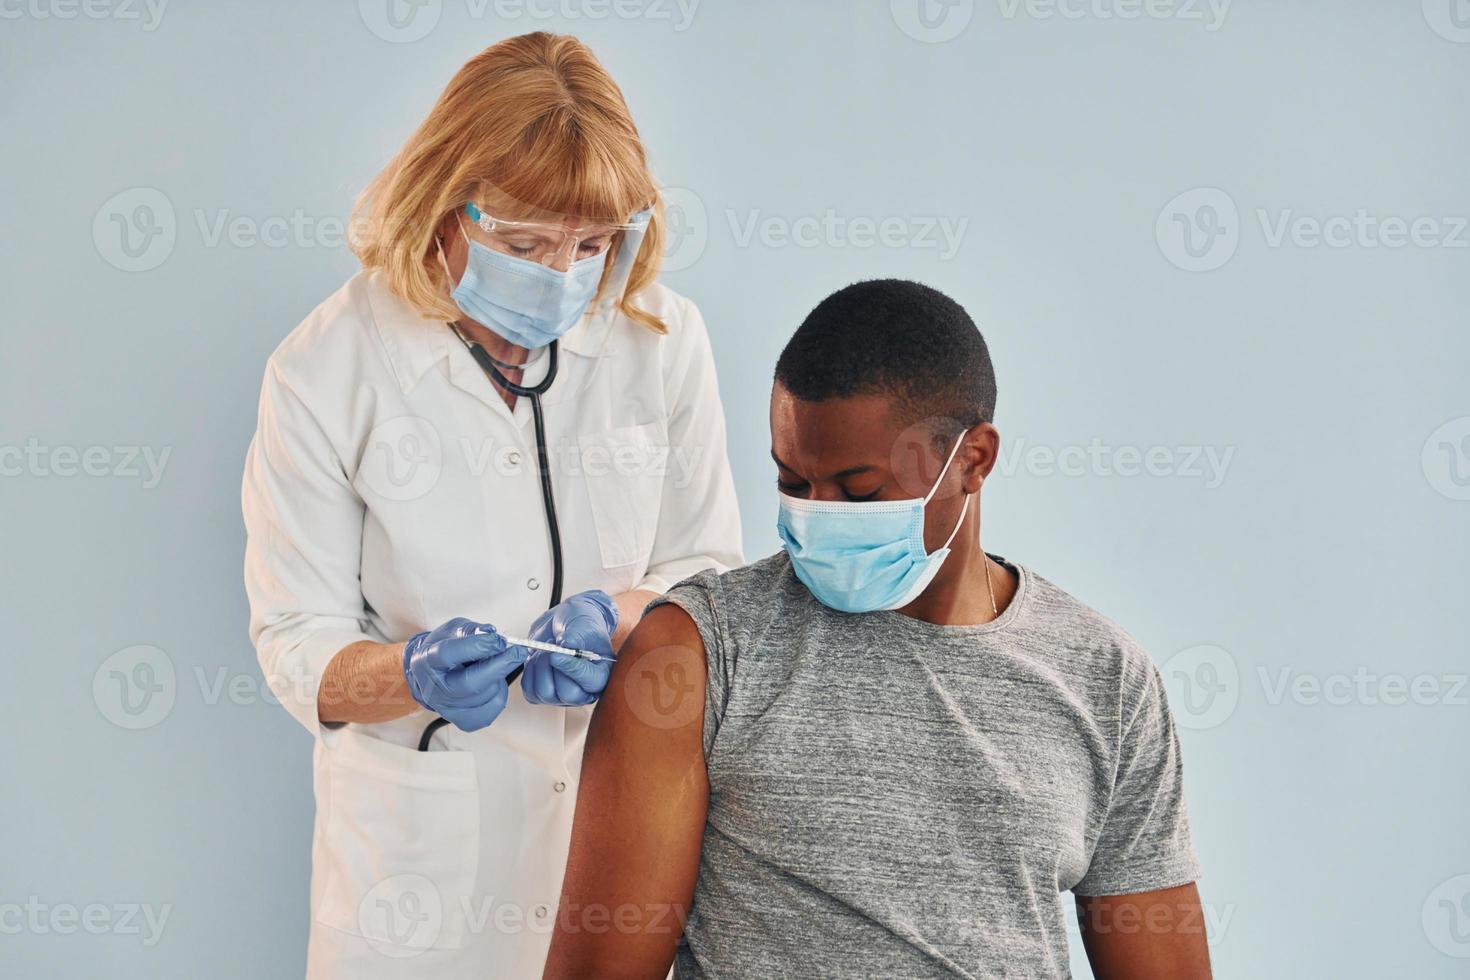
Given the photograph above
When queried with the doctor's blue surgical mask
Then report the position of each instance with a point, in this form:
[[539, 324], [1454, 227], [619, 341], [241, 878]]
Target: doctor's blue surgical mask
[[863, 556], [525, 302]]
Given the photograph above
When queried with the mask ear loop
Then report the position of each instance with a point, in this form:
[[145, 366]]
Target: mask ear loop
[[444, 259], [965, 509], [940, 478]]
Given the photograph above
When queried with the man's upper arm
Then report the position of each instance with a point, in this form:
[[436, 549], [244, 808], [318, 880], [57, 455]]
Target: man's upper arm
[[641, 809], [1156, 935]]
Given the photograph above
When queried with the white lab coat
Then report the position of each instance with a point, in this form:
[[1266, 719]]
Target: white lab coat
[[388, 489]]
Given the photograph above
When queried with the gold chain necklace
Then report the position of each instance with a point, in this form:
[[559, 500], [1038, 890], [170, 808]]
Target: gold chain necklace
[[994, 610]]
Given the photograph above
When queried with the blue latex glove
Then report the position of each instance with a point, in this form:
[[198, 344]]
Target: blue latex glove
[[586, 621], [459, 670]]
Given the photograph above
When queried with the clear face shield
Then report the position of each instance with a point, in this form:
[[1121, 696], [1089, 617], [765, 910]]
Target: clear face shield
[[563, 243]]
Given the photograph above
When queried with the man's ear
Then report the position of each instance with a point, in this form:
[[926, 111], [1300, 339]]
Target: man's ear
[[980, 452]]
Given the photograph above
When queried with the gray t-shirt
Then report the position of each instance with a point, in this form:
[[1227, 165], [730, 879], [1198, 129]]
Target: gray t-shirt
[[891, 798]]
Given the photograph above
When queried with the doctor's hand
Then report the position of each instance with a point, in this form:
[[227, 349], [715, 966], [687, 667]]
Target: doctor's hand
[[586, 621], [459, 670]]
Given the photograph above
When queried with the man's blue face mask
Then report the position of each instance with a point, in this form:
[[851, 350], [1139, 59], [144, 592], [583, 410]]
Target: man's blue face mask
[[867, 555]]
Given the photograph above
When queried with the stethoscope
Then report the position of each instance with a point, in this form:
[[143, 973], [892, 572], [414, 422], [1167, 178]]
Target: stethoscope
[[492, 367]]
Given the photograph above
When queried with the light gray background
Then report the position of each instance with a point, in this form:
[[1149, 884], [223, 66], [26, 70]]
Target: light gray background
[[1332, 825]]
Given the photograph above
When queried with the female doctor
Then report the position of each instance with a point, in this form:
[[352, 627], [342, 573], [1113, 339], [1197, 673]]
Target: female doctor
[[502, 426]]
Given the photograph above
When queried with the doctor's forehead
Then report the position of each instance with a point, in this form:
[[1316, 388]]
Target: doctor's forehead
[[834, 433]]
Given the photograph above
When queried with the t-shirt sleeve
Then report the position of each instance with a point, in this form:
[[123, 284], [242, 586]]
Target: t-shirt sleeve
[[702, 597], [1144, 844]]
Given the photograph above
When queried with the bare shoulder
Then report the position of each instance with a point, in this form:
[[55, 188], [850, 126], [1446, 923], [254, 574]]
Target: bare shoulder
[[658, 683], [664, 625]]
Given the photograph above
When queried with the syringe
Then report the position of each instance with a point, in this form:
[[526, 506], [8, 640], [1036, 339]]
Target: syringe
[[517, 641]]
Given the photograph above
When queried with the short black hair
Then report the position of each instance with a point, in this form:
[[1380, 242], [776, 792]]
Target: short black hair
[[898, 338]]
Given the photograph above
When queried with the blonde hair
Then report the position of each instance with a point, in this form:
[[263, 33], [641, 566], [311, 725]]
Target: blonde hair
[[534, 119]]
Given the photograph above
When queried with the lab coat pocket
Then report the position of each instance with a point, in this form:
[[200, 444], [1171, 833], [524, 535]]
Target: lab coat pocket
[[624, 469], [401, 843]]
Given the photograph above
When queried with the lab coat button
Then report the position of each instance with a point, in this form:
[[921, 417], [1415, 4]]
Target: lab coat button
[[514, 459], [533, 584], [560, 786], [541, 911]]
